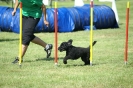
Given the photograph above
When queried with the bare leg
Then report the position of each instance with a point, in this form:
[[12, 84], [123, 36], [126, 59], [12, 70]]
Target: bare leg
[[48, 47], [24, 49], [38, 41]]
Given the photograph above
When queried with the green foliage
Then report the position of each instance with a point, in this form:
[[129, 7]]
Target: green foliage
[[108, 70]]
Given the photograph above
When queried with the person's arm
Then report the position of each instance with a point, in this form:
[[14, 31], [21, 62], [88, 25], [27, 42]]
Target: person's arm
[[15, 7], [44, 12]]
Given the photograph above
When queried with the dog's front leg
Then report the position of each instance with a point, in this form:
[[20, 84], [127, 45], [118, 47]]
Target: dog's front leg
[[65, 59]]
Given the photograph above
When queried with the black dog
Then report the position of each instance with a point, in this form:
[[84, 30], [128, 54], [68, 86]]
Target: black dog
[[74, 53]]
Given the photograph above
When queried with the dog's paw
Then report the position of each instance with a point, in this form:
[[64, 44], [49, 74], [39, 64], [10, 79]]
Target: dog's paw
[[65, 62], [87, 63]]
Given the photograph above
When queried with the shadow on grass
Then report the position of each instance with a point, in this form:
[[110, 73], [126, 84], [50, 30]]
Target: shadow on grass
[[61, 58], [45, 59], [2, 40], [74, 65], [41, 59], [81, 65]]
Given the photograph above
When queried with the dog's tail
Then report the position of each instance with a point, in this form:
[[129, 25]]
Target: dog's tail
[[93, 43]]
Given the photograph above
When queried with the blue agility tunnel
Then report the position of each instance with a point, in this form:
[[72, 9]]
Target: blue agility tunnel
[[69, 19]]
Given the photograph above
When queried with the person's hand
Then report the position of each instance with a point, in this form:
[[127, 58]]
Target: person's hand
[[46, 23], [13, 12]]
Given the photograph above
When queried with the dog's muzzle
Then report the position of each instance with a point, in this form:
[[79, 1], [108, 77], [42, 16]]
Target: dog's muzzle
[[60, 49]]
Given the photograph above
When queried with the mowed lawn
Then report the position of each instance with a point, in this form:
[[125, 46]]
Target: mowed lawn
[[108, 69]]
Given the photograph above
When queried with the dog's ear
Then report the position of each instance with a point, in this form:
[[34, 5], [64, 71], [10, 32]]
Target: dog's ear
[[70, 41]]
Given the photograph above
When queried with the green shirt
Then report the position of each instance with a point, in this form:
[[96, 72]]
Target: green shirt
[[32, 8]]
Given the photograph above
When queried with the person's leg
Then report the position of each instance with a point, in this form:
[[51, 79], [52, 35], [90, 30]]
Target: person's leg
[[47, 47], [25, 38], [24, 49], [38, 41], [31, 26], [28, 35]]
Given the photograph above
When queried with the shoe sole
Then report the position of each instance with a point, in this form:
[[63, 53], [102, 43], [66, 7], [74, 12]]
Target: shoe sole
[[49, 51]]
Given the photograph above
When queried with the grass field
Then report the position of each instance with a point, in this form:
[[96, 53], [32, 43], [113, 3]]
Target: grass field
[[108, 70]]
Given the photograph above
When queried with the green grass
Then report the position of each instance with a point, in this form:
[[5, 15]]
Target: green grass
[[108, 70]]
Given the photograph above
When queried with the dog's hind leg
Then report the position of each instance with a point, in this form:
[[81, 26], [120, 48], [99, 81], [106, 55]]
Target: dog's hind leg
[[85, 60]]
